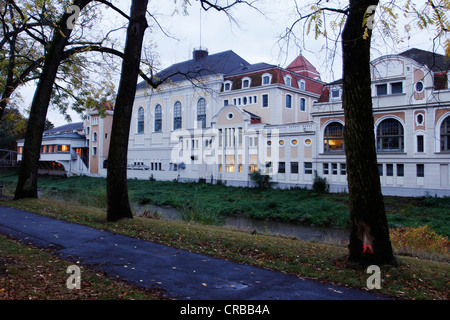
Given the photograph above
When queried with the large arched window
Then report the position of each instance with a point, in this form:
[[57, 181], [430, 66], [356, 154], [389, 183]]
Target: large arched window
[[445, 135], [333, 138], [177, 117], [201, 112], [158, 118], [390, 136], [140, 120]]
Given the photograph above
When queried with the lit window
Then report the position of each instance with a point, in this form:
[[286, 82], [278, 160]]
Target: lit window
[[334, 137]]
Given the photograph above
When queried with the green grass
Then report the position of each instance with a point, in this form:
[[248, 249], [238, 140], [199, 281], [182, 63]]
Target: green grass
[[295, 205]]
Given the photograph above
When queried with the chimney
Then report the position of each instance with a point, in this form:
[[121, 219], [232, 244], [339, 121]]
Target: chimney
[[199, 53]]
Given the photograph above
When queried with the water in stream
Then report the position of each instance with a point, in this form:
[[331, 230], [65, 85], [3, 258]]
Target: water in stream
[[300, 231]]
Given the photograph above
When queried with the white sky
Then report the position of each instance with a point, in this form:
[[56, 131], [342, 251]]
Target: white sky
[[254, 38]]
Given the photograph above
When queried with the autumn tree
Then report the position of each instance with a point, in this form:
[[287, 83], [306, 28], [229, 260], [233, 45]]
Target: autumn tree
[[118, 206], [353, 24]]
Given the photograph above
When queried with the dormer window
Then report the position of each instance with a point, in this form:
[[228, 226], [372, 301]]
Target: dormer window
[[246, 83], [266, 79], [288, 81], [302, 85], [227, 86], [335, 93]]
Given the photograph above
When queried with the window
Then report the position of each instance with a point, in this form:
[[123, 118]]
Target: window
[[419, 119], [325, 168], [94, 137], [301, 85], [420, 170], [281, 167], [445, 135], [334, 137], [229, 165], [227, 86], [288, 81], [288, 101], [63, 148], [294, 167], [158, 118], [380, 169], [225, 102], [177, 117], [201, 112], [389, 169], [396, 87], [381, 89], [302, 104], [390, 136], [335, 94], [140, 120], [420, 147], [419, 86], [343, 169], [245, 83], [253, 167], [400, 170], [308, 167], [265, 100], [266, 78], [94, 151], [334, 168]]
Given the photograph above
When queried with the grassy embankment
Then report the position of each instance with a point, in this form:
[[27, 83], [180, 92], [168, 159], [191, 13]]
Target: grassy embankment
[[415, 277]]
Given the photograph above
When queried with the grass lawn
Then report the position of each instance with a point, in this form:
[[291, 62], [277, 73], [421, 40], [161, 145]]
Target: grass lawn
[[414, 278]]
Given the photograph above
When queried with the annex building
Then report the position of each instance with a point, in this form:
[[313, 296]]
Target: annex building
[[219, 118]]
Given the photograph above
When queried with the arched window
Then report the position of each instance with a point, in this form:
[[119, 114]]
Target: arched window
[[201, 112], [333, 139], [158, 118], [177, 118], [390, 136], [445, 135], [140, 120]]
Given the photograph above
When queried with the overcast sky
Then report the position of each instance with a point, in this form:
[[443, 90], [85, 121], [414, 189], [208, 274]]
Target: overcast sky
[[254, 36]]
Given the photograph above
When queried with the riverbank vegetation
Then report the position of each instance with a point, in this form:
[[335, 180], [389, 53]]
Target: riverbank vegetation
[[422, 273]]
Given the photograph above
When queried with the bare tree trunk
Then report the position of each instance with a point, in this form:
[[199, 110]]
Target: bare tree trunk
[[369, 234], [27, 180], [117, 190]]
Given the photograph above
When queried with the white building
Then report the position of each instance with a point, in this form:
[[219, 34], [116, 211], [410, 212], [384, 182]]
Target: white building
[[218, 117]]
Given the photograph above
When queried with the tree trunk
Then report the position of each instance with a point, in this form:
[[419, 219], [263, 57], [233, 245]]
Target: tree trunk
[[117, 190], [27, 180], [369, 234]]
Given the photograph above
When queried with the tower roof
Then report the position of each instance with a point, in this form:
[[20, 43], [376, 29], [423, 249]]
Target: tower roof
[[303, 66]]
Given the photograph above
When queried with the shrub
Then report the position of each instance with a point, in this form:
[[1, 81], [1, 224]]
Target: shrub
[[420, 241], [320, 184], [262, 180]]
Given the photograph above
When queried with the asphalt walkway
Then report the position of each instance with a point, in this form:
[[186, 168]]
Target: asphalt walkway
[[182, 275]]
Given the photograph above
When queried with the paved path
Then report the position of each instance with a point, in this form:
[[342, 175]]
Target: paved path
[[181, 274]]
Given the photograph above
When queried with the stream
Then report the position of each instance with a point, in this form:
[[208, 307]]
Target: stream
[[300, 231]]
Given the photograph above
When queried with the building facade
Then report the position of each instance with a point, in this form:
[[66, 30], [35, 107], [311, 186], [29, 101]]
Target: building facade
[[219, 118]]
